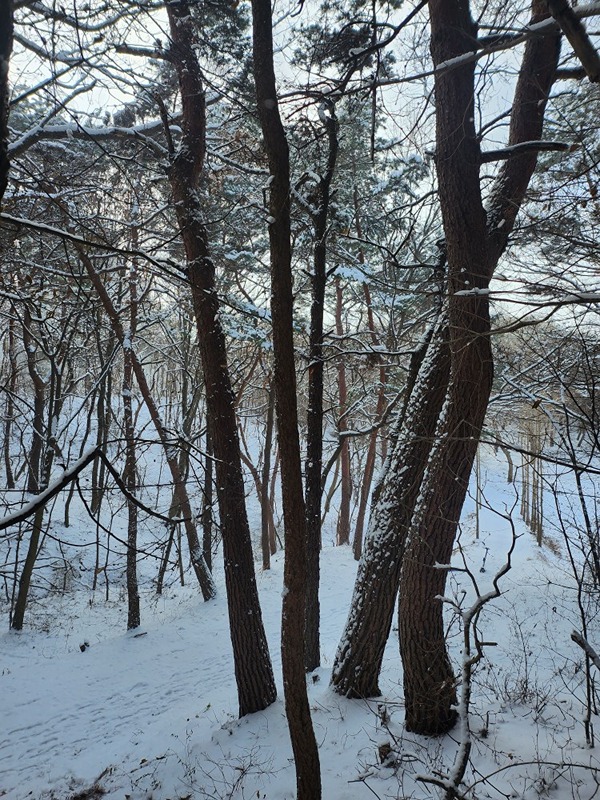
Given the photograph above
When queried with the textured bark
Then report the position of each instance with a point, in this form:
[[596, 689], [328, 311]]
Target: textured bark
[[358, 659], [252, 662], [304, 746], [472, 250]]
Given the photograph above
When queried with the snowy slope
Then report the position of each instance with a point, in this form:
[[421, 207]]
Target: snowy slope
[[153, 715]]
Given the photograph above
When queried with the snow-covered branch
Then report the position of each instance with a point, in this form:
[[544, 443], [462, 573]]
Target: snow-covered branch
[[523, 147], [141, 133], [69, 475], [587, 648]]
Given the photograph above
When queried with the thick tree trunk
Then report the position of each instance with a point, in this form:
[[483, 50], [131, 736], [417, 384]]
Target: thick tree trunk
[[473, 246], [358, 659], [304, 745], [252, 662]]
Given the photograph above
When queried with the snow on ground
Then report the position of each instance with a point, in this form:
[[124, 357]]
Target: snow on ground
[[153, 714]]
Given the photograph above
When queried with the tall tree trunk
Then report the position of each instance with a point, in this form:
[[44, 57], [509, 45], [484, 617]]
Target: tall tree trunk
[[473, 246], [358, 659], [38, 434], [207, 501], [304, 745], [10, 403], [130, 471], [252, 662], [365, 489], [478, 248], [314, 417]]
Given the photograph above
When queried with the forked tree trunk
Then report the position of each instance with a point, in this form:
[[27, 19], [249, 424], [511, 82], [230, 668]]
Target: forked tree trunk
[[252, 662], [476, 248], [474, 242], [304, 745]]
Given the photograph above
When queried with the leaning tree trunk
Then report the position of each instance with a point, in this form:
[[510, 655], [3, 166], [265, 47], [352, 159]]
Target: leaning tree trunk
[[201, 571], [252, 662], [474, 242], [358, 660], [304, 745]]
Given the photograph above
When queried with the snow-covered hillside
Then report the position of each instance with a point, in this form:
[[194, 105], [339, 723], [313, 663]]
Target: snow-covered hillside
[[89, 710]]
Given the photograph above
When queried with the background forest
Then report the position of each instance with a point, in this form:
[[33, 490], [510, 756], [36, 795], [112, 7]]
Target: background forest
[[290, 290]]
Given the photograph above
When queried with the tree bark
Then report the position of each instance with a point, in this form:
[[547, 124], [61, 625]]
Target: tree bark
[[474, 242], [343, 523], [358, 659], [130, 471], [304, 746], [266, 516], [6, 44], [253, 671], [10, 403]]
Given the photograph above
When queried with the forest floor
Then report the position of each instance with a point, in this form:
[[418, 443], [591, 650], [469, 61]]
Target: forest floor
[[91, 711]]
